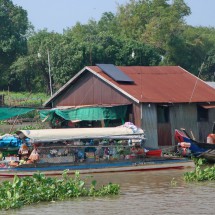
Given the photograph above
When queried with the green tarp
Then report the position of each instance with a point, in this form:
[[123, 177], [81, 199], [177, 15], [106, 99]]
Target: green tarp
[[10, 112], [86, 113]]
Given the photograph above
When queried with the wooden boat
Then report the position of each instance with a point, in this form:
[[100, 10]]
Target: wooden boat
[[88, 150], [111, 167], [197, 149]]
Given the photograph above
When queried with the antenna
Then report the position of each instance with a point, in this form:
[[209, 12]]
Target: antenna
[[196, 82]]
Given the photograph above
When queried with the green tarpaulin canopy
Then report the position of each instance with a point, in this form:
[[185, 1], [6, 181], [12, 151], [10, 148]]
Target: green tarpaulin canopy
[[86, 113], [10, 112]]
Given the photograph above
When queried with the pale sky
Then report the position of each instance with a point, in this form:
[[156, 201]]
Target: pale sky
[[56, 15]]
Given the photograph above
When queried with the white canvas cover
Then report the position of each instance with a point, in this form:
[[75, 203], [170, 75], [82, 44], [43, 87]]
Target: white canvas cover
[[49, 135]]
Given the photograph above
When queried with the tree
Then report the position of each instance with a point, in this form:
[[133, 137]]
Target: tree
[[108, 23], [192, 49], [155, 22], [13, 43], [139, 34], [80, 46], [208, 66], [31, 72]]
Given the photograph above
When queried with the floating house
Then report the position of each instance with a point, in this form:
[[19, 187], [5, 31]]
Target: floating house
[[158, 99]]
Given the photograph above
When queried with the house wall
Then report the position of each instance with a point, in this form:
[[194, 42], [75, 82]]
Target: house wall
[[211, 118], [180, 116], [149, 124], [205, 128], [184, 116], [89, 90], [137, 115]]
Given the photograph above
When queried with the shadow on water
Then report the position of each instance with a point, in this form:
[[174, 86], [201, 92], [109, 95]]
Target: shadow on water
[[148, 193]]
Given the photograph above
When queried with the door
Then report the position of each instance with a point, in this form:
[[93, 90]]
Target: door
[[163, 126]]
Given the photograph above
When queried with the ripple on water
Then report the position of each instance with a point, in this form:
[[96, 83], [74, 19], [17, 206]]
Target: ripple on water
[[144, 193]]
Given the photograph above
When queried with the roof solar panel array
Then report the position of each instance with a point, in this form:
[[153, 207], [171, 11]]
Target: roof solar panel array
[[114, 73]]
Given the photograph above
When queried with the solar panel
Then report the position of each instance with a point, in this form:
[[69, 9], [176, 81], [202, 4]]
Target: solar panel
[[114, 73]]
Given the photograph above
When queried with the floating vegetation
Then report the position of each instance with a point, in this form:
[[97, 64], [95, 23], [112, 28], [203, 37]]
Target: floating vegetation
[[173, 182], [202, 172], [39, 188]]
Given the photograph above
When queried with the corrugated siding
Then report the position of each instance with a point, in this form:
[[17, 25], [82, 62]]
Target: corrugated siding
[[205, 128], [181, 116], [184, 116], [149, 124]]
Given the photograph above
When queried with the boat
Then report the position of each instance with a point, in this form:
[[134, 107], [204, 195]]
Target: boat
[[107, 167], [87, 150], [189, 146]]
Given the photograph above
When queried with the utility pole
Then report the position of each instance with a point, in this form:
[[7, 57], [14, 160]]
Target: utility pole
[[49, 65], [50, 78]]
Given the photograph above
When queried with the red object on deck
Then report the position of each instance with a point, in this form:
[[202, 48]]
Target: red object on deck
[[154, 153]]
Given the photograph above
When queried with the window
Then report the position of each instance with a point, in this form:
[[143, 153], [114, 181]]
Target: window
[[163, 114], [202, 114]]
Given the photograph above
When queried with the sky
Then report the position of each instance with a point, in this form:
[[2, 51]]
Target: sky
[[57, 15]]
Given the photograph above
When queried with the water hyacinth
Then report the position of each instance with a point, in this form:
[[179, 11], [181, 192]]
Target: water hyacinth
[[39, 188], [201, 173]]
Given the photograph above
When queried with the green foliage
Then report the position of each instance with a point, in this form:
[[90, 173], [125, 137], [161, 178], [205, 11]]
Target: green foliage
[[13, 42], [37, 125], [208, 66], [156, 22], [148, 28], [197, 41], [83, 45], [202, 172], [199, 161], [31, 72], [38, 188], [34, 126], [24, 99]]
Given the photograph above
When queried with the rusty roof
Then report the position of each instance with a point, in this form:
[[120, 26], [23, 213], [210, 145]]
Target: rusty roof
[[161, 84], [153, 84]]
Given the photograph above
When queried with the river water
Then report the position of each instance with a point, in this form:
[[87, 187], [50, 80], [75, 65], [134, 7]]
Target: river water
[[145, 193]]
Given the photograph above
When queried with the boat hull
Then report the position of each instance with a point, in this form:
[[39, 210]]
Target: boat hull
[[201, 150], [208, 155], [101, 168]]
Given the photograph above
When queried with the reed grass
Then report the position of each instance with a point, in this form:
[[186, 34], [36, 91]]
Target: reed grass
[[26, 99]]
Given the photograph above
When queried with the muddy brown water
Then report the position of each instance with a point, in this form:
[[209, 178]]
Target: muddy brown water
[[145, 193]]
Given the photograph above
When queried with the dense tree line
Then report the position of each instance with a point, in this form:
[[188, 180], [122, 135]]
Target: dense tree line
[[142, 32]]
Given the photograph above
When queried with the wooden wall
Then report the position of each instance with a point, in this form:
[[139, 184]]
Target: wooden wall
[[89, 90]]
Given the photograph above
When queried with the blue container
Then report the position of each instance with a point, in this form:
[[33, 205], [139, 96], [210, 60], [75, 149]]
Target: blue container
[[10, 141]]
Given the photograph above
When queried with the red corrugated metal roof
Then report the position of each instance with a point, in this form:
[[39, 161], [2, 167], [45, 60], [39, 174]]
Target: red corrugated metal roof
[[162, 84]]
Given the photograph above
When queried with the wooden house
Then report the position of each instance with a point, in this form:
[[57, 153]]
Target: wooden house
[[158, 99]]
